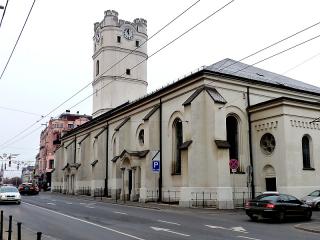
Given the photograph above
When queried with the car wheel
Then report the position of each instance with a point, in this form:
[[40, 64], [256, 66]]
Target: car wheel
[[19, 203], [253, 218], [317, 207], [281, 216], [308, 215]]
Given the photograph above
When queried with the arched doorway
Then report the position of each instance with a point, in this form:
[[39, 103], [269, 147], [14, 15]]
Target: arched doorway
[[270, 178]]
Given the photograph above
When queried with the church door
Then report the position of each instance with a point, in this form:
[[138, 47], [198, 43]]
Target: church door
[[271, 184]]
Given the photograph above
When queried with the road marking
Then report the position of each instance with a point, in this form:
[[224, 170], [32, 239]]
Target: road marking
[[82, 203], [169, 222], [248, 238], [121, 213], [50, 203], [239, 229], [84, 221], [234, 229], [69, 203], [169, 231]]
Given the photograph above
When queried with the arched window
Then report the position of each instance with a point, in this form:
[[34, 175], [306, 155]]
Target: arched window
[[114, 147], [232, 137], [177, 139], [97, 67], [306, 152]]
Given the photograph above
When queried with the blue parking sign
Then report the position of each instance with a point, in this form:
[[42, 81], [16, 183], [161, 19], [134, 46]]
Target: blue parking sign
[[155, 165]]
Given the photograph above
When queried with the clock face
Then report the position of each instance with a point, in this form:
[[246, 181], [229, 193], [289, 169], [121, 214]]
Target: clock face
[[128, 33]]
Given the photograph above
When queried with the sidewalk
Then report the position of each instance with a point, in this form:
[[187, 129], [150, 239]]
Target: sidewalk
[[310, 226]]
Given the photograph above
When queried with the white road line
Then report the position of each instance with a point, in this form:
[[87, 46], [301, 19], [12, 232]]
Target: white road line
[[69, 203], [82, 203], [169, 231], [248, 238], [121, 213], [50, 203], [84, 221], [169, 222]]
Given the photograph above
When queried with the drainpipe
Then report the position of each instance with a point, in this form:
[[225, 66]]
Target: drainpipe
[[75, 149], [250, 144], [107, 160], [160, 173]]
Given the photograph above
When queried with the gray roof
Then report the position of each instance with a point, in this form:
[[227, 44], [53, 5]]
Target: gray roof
[[239, 69]]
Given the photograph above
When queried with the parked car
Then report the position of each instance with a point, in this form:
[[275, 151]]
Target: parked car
[[313, 199], [28, 188], [9, 194], [277, 206]]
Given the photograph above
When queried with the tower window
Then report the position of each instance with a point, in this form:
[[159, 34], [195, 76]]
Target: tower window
[[97, 67], [137, 43], [128, 71], [118, 39]]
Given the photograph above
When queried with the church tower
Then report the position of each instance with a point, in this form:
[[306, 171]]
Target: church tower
[[119, 46]]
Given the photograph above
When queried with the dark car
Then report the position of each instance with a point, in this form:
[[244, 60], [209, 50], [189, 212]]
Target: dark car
[[277, 206], [28, 188]]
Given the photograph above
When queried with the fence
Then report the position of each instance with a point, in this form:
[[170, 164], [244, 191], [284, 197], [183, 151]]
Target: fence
[[98, 192], [203, 199], [169, 196], [84, 191], [10, 233], [57, 189]]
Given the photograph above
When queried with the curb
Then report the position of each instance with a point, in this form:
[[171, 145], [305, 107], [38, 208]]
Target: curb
[[308, 227]]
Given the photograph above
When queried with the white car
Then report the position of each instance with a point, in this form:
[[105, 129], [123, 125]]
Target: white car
[[313, 199], [9, 194]]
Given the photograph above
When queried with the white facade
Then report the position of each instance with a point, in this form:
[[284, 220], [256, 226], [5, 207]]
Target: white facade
[[198, 124], [119, 62]]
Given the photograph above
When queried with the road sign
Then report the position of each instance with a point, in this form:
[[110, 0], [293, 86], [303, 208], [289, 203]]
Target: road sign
[[156, 166], [234, 164]]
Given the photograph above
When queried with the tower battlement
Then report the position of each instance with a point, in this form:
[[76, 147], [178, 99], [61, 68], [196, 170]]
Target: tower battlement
[[111, 19], [141, 21], [111, 13]]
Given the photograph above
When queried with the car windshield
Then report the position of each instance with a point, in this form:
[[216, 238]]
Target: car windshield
[[8, 189], [272, 198], [314, 194]]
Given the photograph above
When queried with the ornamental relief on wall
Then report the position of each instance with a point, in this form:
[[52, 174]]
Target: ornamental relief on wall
[[266, 126], [304, 124]]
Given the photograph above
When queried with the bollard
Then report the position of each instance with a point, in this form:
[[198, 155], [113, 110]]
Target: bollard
[[39, 235], [1, 227], [10, 228], [19, 230]]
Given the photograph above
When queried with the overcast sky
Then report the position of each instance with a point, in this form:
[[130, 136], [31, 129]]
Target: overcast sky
[[53, 59]]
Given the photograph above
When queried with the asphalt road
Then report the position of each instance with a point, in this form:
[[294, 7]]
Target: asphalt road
[[63, 217]]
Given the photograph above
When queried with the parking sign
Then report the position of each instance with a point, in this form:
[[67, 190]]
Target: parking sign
[[155, 165]]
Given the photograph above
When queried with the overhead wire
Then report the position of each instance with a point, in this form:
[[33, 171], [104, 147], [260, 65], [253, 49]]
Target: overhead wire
[[115, 64], [15, 45], [278, 53], [269, 46], [21, 111], [160, 49], [61, 104], [301, 63], [4, 12]]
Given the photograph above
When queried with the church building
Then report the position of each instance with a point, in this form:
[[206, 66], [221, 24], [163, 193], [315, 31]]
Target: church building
[[221, 134]]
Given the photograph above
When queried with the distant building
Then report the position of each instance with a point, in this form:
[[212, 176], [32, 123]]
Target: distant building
[[50, 140], [10, 166]]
